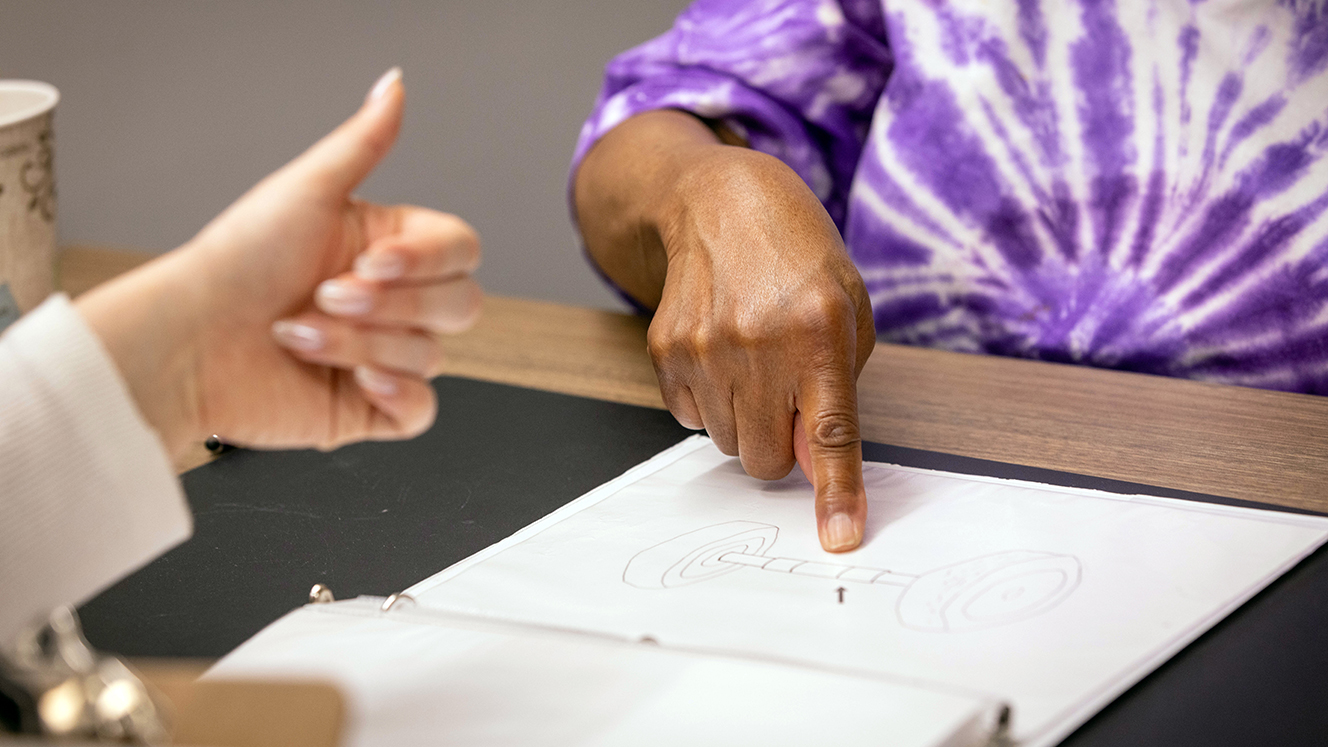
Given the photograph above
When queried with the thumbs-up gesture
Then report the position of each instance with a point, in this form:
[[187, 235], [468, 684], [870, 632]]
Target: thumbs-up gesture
[[300, 316]]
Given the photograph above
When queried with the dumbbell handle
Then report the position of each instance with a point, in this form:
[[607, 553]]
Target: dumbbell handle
[[820, 570]]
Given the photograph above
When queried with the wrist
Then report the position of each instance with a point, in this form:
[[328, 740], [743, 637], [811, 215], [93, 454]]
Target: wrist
[[693, 177], [719, 182], [147, 322]]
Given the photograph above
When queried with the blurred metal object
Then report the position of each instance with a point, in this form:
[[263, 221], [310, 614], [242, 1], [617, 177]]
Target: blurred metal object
[[215, 445], [63, 688], [395, 599], [320, 594]]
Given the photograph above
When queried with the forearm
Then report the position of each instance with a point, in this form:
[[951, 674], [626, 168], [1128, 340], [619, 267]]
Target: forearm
[[622, 193], [760, 316]]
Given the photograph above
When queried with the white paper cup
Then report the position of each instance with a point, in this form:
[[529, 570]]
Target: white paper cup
[[27, 196]]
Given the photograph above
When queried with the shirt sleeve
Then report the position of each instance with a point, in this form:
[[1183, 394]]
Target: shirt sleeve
[[87, 493], [799, 79]]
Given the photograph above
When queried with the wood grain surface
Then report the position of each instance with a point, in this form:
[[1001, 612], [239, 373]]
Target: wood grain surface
[[244, 712], [82, 267], [1230, 441]]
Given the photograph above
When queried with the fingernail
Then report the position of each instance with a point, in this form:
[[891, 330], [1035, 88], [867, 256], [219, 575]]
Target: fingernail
[[375, 381], [384, 83], [840, 533], [380, 266], [298, 336], [343, 299]]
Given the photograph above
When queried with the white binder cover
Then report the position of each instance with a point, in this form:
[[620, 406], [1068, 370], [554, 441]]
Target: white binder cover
[[415, 678], [968, 593]]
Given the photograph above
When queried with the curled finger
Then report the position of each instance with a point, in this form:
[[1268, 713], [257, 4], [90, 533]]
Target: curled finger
[[765, 435], [716, 409], [673, 370], [332, 342], [682, 404], [403, 406], [446, 306], [423, 245]]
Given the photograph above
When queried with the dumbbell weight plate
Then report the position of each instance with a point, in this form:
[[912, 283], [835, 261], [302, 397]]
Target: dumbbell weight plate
[[988, 591], [694, 557]]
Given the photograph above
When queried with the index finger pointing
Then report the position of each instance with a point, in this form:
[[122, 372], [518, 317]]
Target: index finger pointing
[[424, 245], [829, 417]]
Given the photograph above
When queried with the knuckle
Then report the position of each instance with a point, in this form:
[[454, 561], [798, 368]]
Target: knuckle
[[836, 430], [868, 343], [664, 345], [753, 332], [703, 341], [458, 248], [684, 417], [658, 344], [867, 317], [727, 444], [822, 310]]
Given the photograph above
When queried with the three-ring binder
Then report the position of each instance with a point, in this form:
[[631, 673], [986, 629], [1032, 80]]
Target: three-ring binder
[[322, 594]]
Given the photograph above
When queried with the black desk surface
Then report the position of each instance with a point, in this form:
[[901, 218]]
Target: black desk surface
[[376, 518]]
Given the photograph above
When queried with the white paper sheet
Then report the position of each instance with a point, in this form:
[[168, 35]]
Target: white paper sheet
[[1052, 599], [412, 679]]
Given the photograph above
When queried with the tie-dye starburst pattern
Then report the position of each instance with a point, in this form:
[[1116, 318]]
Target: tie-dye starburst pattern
[[1135, 184]]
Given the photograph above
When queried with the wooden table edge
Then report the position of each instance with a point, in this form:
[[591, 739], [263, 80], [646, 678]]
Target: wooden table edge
[[1230, 441]]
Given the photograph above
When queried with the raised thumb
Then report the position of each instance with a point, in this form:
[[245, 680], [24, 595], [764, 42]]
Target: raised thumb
[[345, 156]]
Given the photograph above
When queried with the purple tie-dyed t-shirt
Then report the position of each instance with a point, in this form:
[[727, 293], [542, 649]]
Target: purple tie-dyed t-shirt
[[1137, 184]]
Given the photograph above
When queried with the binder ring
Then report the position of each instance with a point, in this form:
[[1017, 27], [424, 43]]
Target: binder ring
[[320, 594], [391, 601]]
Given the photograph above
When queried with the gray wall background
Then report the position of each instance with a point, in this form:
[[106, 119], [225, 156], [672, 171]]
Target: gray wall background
[[170, 109]]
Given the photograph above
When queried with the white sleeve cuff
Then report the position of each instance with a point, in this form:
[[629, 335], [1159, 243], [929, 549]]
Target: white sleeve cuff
[[87, 493]]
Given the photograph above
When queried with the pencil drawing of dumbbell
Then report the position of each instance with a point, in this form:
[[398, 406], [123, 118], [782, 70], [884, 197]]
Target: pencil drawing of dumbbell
[[981, 592]]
